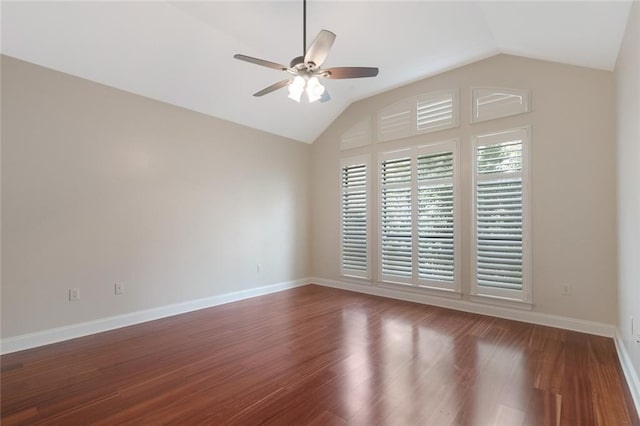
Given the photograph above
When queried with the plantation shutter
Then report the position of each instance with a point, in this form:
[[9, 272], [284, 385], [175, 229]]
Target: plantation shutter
[[499, 207], [397, 121], [436, 111], [418, 216], [424, 113], [436, 217], [354, 253], [395, 221], [356, 136], [499, 233]]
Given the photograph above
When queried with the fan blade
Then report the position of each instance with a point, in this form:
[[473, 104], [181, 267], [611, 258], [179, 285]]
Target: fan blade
[[325, 96], [273, 87], [349, 72], [319, 49], [262, 62]]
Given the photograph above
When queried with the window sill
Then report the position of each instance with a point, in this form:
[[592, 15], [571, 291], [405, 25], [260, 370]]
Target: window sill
[[427, 291], [501, 301], [353, 279]]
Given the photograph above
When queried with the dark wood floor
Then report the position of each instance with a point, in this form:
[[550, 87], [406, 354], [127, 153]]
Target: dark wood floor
[[320, 356]]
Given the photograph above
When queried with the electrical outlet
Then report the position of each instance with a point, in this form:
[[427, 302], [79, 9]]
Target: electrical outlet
[[74, 294], [566, 289], [259, 267], [119, 288]]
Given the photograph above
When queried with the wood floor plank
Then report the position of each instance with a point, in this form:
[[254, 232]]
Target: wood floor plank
[[320, 356], [544, 409]]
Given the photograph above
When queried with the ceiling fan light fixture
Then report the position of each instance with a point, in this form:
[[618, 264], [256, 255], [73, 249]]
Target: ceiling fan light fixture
[[307, 68], [314, 89], [296, 88]]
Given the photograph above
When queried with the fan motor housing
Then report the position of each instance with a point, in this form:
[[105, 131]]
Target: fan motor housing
[[295, 62], [299, 64]]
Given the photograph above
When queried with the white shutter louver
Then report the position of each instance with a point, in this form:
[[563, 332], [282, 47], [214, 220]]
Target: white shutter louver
[[499, 233], [396, 121], [425, 113], [436, 217], [418, 217], [396, 223], [499, 215], [358, 135], [354, 254], [436, 111], [492, 103]]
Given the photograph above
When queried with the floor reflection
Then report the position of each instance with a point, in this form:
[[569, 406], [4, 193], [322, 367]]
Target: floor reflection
[[409, 361], [357, 369]]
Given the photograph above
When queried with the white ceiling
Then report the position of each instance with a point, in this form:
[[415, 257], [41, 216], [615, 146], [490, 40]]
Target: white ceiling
[[182, 52]]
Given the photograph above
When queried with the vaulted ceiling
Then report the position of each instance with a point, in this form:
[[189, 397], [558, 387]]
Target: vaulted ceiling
[[182, 52]]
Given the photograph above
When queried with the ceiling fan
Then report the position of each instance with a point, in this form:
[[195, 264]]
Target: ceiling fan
[[305, 70]]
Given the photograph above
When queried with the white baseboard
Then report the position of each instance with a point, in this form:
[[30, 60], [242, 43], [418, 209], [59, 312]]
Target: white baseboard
[[45, 337], [583, 326], [58, 334], [629, 371]]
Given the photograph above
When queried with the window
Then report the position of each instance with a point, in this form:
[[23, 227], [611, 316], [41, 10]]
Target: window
[[425, 113], [396, 249], [397, 121], [354, 233], [436, 111], [492, 103], [419, 241], [501, 220], [436, 217], [358, 135]]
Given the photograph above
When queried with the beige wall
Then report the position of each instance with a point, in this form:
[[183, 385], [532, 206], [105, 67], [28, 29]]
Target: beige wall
[[628, 126], [100, 186], [573, 177]]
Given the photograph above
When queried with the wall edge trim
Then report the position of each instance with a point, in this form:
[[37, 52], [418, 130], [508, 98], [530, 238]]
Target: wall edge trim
[[633, 380], [73, 331], [566, 323]]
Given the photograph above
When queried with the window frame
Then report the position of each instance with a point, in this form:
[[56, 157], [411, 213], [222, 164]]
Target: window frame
[[409, 106], [346, 162], [415, 282], [455, 110], [475, 91], [357, 136], [514, 298]]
